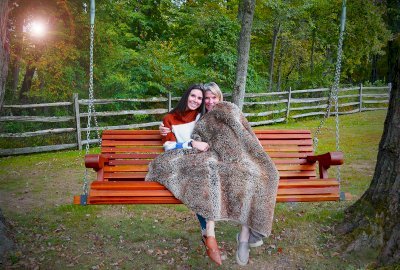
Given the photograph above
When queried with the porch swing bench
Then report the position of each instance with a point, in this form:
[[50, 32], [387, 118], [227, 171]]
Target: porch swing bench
[[125, 154]]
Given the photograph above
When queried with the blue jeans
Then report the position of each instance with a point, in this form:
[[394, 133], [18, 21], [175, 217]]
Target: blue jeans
[[202, 221]]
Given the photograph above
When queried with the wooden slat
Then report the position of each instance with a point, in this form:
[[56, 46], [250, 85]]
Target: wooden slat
[[131, 193], [125, 176], [289, 160], [126, 185], [144, 185], [286, 142], [168, 200], [283, 131], [133, 200], [130, 156], [308, 198], [129, 162], [289, 154], [144, 168], [287, 148], [131, 137], [308, 191], [296, 167], [297, 174], [130, 143], [147, 161], [167, 193], [284, 183], [275, 136], [126, 168], [133, 132], [132, 149]]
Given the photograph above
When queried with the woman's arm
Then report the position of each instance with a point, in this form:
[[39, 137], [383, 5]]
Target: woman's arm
[[170, 141], [163, 130]]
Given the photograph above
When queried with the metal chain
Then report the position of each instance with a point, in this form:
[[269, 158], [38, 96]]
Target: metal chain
[[334, 92], [91, 110]]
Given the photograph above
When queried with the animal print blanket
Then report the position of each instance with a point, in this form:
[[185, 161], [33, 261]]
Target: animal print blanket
[[234, 180]]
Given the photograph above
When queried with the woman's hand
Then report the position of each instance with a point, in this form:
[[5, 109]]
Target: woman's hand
[[164, 130], [202, 146]]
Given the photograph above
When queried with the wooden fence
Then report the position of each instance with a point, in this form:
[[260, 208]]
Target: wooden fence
[[259, 108]]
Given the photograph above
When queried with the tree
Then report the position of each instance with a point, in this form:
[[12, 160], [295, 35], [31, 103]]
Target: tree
[[373, 222], [246, 14], [4, 49]]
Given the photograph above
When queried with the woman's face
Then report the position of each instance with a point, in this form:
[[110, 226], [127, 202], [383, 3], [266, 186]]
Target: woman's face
[[195, 99], [210, 100]]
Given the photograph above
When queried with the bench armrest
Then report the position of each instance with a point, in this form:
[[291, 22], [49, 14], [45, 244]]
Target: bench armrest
[[325, 161], [95, 161]]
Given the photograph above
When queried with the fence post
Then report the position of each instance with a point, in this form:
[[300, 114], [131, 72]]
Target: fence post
[[360, 98], [169, 102], [390, 89], [77, 121], [288, 104]]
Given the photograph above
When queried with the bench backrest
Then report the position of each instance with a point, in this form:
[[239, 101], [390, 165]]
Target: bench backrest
[[130, 151]]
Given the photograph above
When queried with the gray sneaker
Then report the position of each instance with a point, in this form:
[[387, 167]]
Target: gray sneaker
[[255, 239], [242, 252]]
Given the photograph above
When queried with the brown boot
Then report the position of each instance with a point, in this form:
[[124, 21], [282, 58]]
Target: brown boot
[[213, 250]]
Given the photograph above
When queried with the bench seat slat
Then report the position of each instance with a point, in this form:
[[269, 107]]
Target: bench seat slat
[[144, 185], [121, 175], [167, 193], [170, 200]]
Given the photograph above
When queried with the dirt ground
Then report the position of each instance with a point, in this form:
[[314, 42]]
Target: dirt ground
[[36, 195]]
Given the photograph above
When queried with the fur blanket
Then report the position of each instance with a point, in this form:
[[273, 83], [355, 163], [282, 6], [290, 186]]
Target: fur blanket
[[234, 180]]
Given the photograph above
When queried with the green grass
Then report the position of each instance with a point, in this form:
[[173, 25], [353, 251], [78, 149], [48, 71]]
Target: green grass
[[36, 194]]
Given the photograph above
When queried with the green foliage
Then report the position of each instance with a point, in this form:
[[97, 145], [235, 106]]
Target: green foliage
[[149, 48]]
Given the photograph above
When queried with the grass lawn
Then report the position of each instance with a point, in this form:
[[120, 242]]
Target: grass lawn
[[36, 193]]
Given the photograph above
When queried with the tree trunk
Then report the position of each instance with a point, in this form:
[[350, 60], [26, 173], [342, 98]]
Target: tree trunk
[[280, 67], [6, 239], [16, 62], [312, 52], [373, 222], [4, 49], [26, 84], [374, 69], [277, 29], [246, 13]]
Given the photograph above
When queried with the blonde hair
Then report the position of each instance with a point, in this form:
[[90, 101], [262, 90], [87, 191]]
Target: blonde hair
[[214, 88]]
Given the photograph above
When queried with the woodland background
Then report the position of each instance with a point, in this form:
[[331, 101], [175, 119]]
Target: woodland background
[[148, 48]]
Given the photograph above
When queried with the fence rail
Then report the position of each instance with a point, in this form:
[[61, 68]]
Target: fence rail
[[279, 107]]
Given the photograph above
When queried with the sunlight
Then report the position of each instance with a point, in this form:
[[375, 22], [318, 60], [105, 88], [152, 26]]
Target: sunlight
[[37, 28]]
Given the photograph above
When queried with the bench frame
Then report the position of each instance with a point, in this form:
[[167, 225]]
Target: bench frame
[[126, 153]]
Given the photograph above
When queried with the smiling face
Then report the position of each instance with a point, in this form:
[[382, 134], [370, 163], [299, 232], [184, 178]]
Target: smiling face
[[210, 100], [194, 100]]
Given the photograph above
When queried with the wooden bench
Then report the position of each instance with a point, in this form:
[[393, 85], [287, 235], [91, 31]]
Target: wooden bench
[[125, 155]]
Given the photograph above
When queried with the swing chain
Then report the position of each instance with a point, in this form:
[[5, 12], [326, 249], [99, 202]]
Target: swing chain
[[91, 110], [334, 92]]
